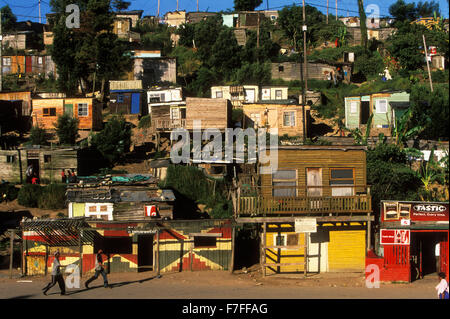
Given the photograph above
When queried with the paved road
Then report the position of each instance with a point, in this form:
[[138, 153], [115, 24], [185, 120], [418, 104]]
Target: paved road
[[213, 285]]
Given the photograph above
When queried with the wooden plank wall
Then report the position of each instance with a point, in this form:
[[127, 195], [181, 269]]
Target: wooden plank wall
[[214, 113], [24, 96], [323, 158]]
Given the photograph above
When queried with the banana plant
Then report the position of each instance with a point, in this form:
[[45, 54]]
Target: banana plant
[[428, 173], [358, 136], [401, 133]]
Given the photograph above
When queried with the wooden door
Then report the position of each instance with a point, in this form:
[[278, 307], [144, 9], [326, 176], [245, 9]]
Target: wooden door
[[314, 178], [365, 112], [444, 257], [28, 64], [135, 103]]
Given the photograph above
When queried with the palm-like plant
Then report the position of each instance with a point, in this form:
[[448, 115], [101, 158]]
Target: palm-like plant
[[428, 173], [358, 136], [401, 132]]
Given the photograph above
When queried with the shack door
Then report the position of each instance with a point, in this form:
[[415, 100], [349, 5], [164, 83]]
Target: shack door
[[135, 103], [365, 112], [28, 64], [396, 262]]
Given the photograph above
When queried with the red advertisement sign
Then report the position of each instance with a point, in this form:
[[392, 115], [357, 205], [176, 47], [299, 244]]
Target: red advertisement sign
[[414, 211], [394, 236]]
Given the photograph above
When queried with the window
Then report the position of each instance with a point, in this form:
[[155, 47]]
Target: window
[[292, 239], [219, 94], [342, 177], [381, 106], [278, 94], [92, 209], [83, 109], [10, 158], [119, 98], [40, 60], [353, 107], [288, 118], [279, 240], [103, 208], [49, 111], [47, 158], [205, 241], [6, 61], [280, 68], [284, 182]]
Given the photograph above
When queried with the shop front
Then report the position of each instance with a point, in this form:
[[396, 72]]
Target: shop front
[[413, 240]]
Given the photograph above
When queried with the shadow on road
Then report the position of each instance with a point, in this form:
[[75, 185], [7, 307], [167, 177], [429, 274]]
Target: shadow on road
[[114, 285], [22, 297]]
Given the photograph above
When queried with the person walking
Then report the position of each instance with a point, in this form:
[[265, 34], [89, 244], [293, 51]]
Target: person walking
[[442, 287], [57, 276], [99, 269], [63, 176]]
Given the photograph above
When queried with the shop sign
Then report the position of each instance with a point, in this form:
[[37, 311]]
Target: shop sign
[[394, 236], [414, 211], [305, 225], [135, 231], [405, 222], [432, 212]]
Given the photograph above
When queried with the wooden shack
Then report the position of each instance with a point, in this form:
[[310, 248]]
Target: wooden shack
[[127, 97], [315, 210], [24, 97], [213, 113], [87, 110], [288, 119]]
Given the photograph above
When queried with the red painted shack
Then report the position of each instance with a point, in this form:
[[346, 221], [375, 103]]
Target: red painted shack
[[413, 240]]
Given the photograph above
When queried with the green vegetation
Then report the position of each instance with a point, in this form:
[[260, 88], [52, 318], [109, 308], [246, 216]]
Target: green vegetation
[[145, 121], [38, 136], [8, 192], [195, 188], [52, 196], [114, 140], [67, 129], [29, 195]]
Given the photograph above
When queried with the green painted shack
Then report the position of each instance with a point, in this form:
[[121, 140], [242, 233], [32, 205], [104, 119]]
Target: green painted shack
[[385, 107]]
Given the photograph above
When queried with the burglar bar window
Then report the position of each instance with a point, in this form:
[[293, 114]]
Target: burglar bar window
[[10, 158], [83, 109], [284, 182], [278, 94], [205, 241]]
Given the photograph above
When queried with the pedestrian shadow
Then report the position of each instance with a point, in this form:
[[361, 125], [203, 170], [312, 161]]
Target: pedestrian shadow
[[113, 285], [21, 297]]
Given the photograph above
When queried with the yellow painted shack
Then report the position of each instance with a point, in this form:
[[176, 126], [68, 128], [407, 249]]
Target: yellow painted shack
[[322, 187], [87, 110]]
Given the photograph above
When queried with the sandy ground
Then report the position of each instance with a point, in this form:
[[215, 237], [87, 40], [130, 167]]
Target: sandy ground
[[221, 285]]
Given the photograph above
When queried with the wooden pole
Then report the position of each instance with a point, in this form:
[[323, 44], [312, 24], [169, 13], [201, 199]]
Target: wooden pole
[[46, 260], [336, 11], [233, 238], [327, 11], [26, 257], [80, 250], [305, 73], [157, 12], [11, 252], [428, 64], [157, 253], [21, 257], [368, 231], [264, 249], [306, 254]]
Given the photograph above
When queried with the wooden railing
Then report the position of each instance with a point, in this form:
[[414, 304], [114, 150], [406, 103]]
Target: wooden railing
[[168, 124], [266, 205]]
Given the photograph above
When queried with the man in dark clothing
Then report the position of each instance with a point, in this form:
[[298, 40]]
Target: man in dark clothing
[[57, 277], [99, 269]]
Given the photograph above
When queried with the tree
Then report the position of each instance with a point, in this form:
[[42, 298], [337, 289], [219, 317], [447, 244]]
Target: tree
[[369, 64], [225, 54], [362, 23], [38, 136], [402, 11], [91, 49], [67, 129], [188, 62], [246, 5], [114, 140], [9, 19], [120, 4], [290, 21]]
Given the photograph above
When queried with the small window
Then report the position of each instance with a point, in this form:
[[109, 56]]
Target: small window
[[92, 209], [47, 158], [10, 158], [381, 106], [205, 241], [278, 94], [340, 177], [219, 95], [6, 61], [292, 239], [49, 111], [353, 107], [280, 240], [40, 60], [83, 109], [119, 98], [288, 118], [284, 182], [280, 68], [103, 208]]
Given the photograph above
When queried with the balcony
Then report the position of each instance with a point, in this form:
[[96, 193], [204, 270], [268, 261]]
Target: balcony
[[312, 201], [167, 124]]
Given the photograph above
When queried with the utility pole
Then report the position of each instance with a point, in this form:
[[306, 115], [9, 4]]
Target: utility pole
[[428, 64], [177, 5], [267, 5], [336, 11], [327, 10], [157, 12], [305, 70], [39, 11], [197, 5]]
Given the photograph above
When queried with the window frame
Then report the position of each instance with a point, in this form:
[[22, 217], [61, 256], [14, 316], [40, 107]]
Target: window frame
[[49, 111], [295, 118], [377, 103], [290, 180], [120, 98], [340, 186], [204, 237], [219, 93], [281, 94], [78, 110]]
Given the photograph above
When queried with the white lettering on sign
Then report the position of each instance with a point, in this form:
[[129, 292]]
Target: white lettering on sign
[[429, 208]]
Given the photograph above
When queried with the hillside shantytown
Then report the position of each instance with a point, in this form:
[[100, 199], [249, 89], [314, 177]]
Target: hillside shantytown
[[354, 109]]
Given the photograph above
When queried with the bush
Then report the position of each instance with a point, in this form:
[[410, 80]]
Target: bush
[[67, 129], [53, 197], [29, 195], [9, 190], [145, 122], [38, 136]]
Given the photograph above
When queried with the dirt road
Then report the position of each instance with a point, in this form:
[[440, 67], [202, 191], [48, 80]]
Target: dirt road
[[221, 285]]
